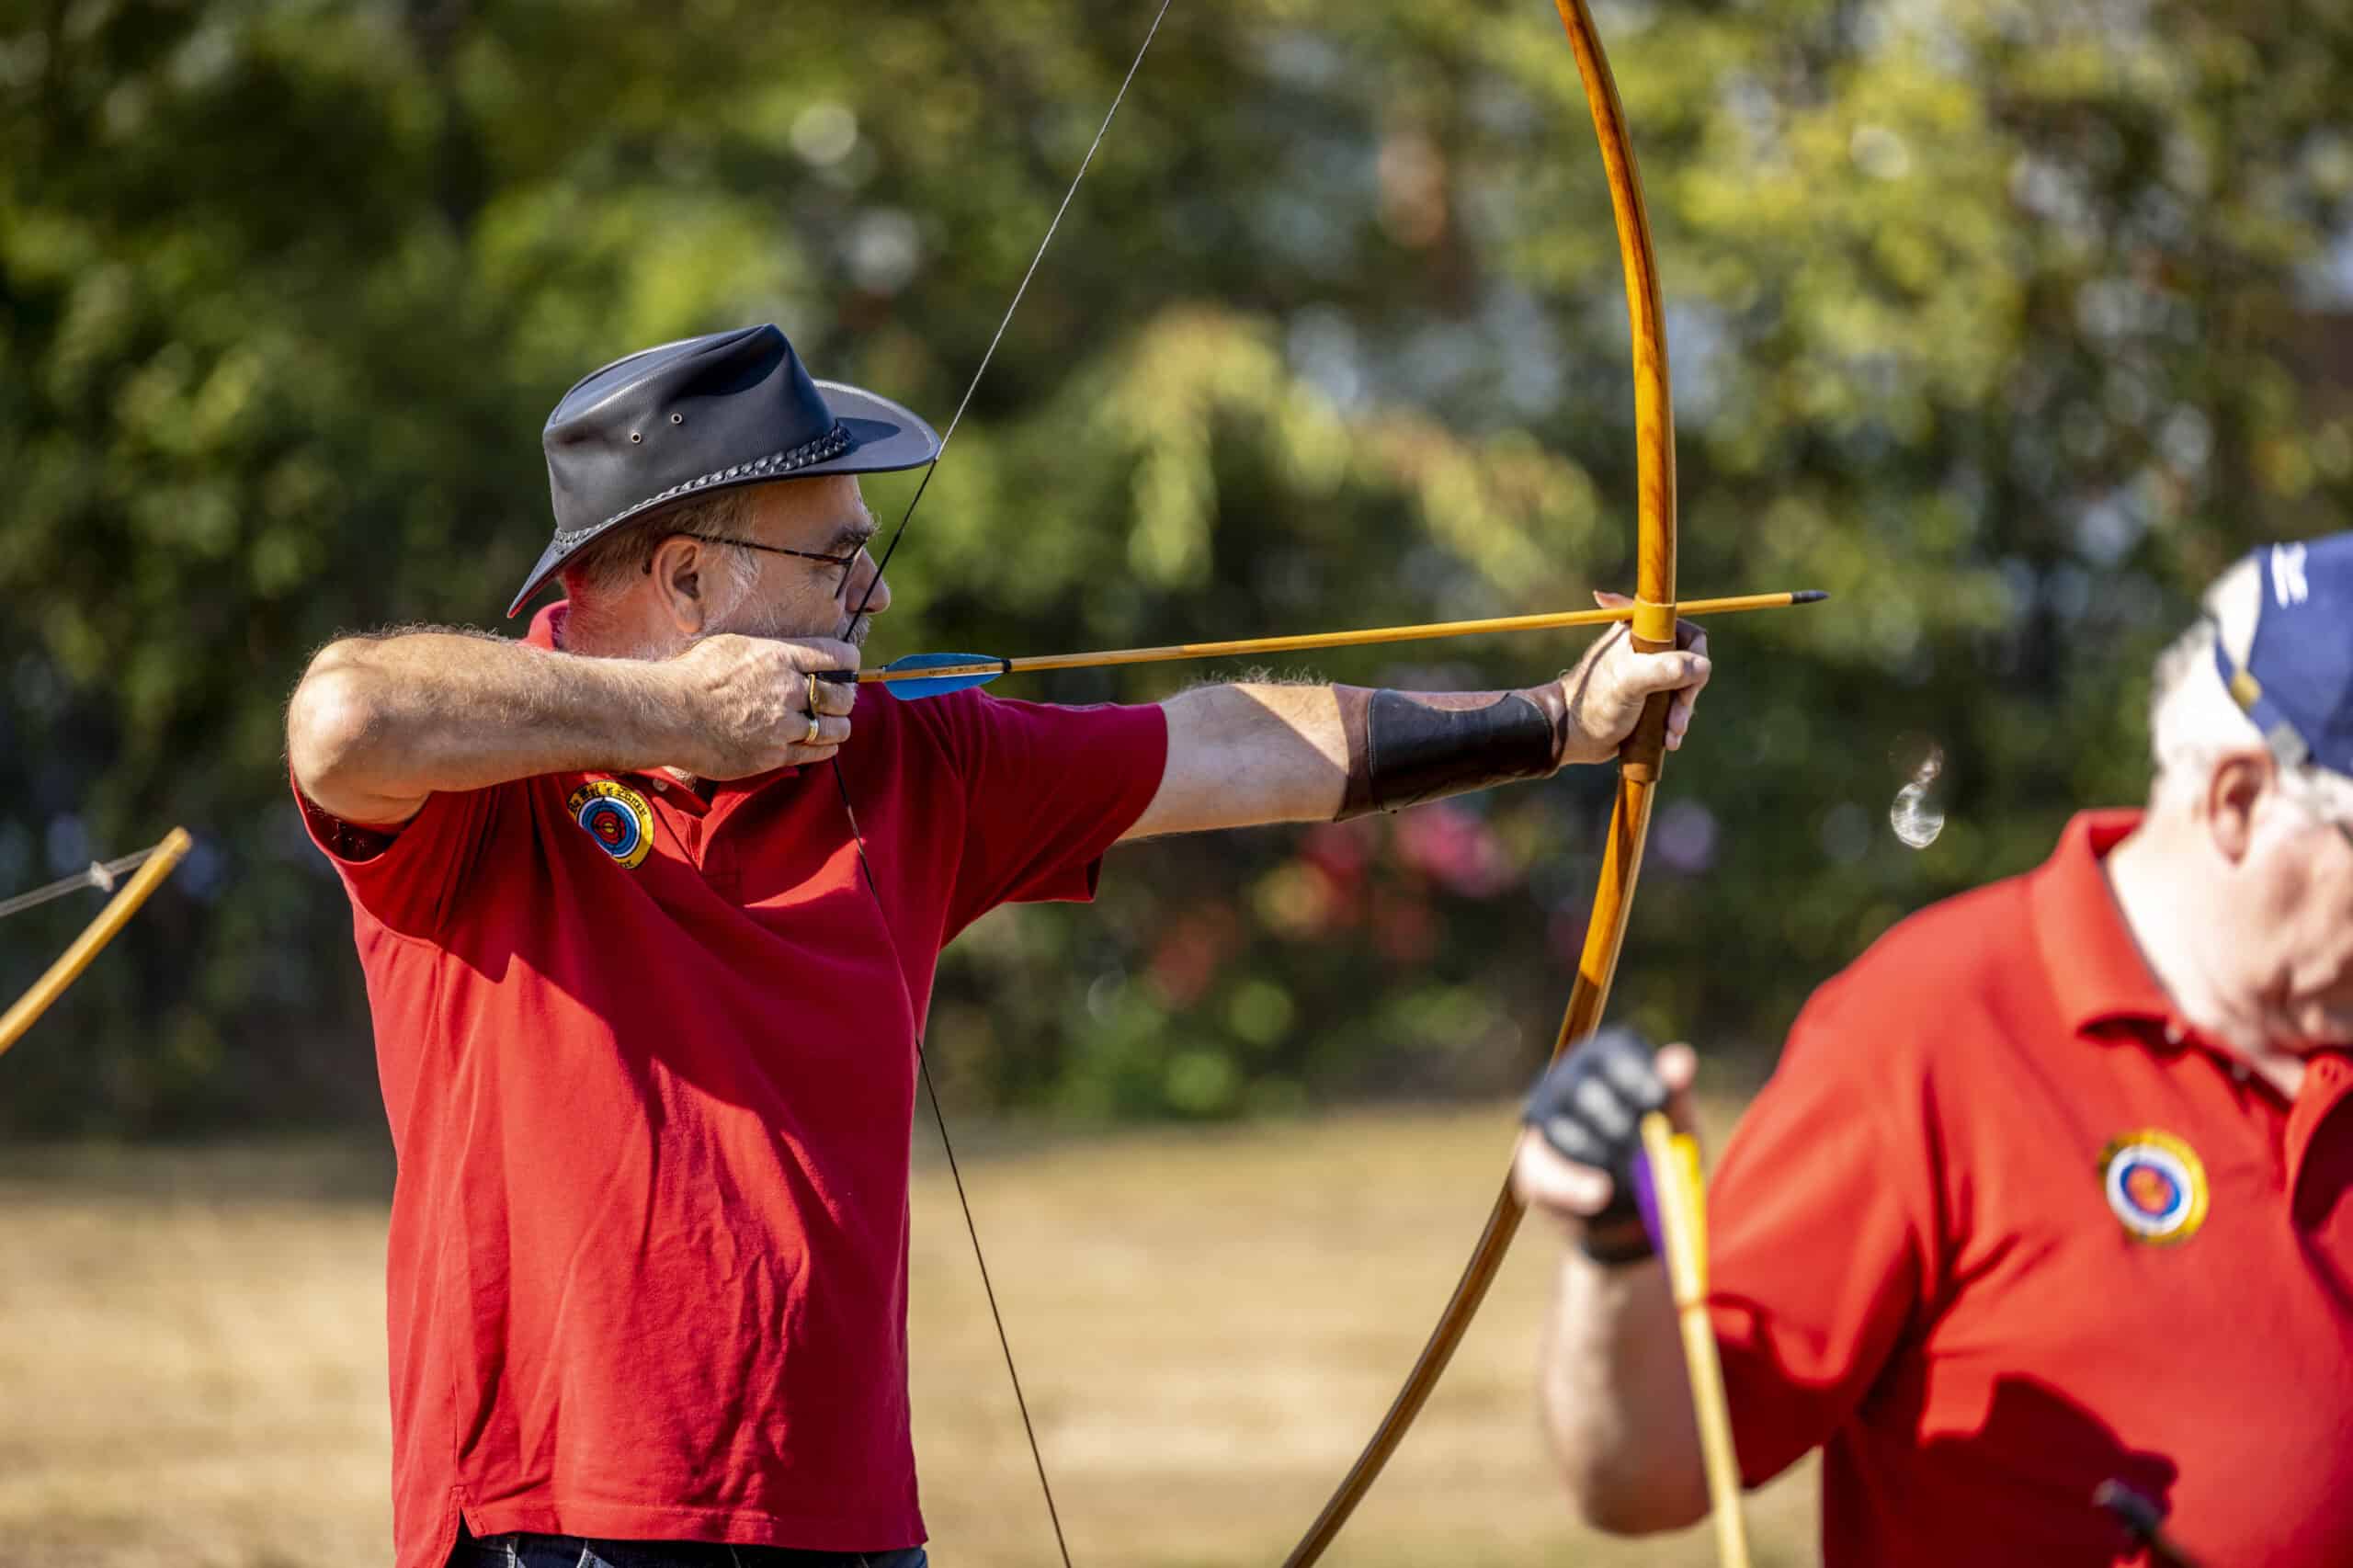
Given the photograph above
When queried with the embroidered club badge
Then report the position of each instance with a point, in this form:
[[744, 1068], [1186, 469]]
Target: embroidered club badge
[[616, 816], [2155, 1186]]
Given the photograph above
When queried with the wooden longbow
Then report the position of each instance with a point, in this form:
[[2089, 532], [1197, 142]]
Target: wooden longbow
[[1638, 768]]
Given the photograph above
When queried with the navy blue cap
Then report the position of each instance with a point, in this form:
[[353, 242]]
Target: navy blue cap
[[732, 408], [2297, 683]]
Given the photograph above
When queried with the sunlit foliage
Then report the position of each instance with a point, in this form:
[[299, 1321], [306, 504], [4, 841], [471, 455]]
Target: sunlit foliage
[[2008, 323]]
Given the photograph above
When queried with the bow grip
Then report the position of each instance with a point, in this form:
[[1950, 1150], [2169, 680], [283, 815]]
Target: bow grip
[[1653, 632]]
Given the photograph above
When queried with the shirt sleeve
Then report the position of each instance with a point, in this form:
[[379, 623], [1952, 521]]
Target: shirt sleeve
[[1047, 789], [407, 877], [1822, 1221]]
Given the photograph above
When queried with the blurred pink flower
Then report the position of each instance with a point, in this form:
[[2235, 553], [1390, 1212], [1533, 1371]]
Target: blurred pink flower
[[1341, 850], [1455, 850]]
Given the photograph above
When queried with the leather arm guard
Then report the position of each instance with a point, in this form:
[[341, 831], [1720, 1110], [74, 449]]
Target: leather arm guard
[[1405, 747]]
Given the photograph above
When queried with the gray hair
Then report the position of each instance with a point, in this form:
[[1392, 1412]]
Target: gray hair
[[601, 571], [2195, 723]]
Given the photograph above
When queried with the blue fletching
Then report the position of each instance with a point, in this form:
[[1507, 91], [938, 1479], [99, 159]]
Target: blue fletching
[[908, 690]]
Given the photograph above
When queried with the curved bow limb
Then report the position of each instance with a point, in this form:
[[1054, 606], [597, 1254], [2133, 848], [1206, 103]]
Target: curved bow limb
[[1597, 966], [1640, 759], [70, 964]]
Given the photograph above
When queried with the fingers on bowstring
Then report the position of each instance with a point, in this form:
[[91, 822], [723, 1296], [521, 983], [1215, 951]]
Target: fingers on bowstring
[[821, 654]]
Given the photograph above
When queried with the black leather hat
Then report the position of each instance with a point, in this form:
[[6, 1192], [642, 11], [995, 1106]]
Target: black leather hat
[[703, 415]]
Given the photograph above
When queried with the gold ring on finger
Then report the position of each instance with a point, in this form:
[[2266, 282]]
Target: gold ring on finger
[[815, 724], [813, 694]]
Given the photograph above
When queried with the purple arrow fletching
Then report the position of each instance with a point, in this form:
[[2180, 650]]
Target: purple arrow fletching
[[1646, 1200]]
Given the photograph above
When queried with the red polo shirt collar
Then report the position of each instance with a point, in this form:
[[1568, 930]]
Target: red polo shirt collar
[[2096, 968], [2106, 992]]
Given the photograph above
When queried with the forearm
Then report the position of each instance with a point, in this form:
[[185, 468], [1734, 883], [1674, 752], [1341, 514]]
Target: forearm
[[380, 723], [1615, 1399], [1247, 754]]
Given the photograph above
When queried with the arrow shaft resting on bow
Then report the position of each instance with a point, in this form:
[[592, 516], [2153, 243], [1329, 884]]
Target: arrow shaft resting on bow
[[916, 675], [95, 936]]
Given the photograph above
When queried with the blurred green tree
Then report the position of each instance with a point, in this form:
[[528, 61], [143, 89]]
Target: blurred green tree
[[2009, 324]]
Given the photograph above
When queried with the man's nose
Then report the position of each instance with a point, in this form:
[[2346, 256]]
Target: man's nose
[[866, 588]]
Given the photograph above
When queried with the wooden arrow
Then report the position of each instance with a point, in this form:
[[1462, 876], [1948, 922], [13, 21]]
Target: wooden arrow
[[930, 675]]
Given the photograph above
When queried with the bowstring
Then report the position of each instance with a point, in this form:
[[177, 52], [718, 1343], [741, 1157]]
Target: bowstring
[[940, 1120], [100, 874], [989, 354], [866, 866]]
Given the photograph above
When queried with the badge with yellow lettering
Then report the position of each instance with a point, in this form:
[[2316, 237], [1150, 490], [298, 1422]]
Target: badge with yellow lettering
[[616, 816], [2155, 1186]]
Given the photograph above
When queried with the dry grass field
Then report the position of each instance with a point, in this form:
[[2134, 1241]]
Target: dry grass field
[[191, 1356]]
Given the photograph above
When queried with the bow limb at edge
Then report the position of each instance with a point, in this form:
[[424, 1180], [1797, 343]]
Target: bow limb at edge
[[28, 1008], [1640, 760], [1605, 935]]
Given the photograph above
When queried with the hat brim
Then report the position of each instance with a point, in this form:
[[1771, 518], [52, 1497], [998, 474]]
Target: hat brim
[[884, 437]]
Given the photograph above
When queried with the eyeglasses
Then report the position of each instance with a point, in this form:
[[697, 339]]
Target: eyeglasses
[[844, 561]]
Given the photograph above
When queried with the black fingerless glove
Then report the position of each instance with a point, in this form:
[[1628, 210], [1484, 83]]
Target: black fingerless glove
[[1589, 1106]]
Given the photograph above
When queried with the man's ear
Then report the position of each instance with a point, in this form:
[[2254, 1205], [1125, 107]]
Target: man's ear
[[676, 567], [2233, 792]]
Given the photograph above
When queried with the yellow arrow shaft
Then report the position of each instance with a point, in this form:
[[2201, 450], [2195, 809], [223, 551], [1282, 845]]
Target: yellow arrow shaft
[[1683, 1223], [1428, 631]]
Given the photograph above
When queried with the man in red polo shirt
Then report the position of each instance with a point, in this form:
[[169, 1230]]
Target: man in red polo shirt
[[2053, 1187], [649, 911]]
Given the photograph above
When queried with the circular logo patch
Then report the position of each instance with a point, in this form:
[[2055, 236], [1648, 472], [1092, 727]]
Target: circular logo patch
[[616, 816], [2155, 1186]]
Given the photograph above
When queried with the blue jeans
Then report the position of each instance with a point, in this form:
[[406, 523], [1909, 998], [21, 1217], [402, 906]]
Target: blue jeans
[[571, 1551]]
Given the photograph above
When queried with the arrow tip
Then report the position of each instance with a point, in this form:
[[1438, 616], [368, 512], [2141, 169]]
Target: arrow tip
[[1809, 596]]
